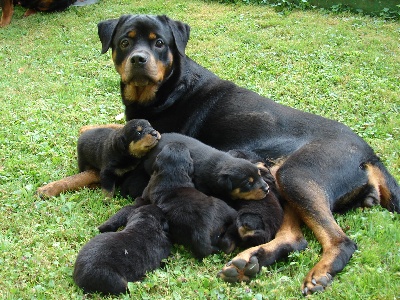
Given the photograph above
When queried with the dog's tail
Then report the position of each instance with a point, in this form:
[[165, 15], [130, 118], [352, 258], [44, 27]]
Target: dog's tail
[[386, 185]]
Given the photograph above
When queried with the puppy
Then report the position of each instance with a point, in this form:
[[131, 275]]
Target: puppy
[[114, 152], [195, 220], [112, 259], [257, 222], [216, 172]]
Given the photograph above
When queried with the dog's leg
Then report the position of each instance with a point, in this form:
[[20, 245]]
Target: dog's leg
[[89, 127], [89, 179], [309, 181], [7, 8], [247, 264], [119, 219]]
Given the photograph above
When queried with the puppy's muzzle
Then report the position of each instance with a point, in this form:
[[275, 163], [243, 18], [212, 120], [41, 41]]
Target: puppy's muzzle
[[156, 134]]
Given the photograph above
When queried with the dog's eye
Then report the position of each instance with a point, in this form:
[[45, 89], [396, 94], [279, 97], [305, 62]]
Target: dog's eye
[[159, 43], [124, 43]]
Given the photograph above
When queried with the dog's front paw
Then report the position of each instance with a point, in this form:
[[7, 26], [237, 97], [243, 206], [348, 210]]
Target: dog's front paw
[[316, 284], [240, 270]]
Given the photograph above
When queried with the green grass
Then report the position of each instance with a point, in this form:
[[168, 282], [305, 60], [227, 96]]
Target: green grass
[[54, 80]]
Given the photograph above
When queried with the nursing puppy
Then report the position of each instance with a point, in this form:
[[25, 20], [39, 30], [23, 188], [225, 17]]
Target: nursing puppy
[[216, 172], [195, 219], [110, 260], [257, 222], [115, 151]]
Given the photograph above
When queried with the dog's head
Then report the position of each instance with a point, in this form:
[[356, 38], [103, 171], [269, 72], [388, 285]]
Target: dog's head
[[244, 180], [144, 48], [139, 137], [175, 159]]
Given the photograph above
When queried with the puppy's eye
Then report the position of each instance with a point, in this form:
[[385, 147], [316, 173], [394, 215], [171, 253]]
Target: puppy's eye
[[159, 43], [124, 44]]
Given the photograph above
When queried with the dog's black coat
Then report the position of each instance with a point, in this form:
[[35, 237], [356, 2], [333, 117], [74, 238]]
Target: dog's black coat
[[114, 152], [323, 165], [112, 259], [195, 220], [216, 172]]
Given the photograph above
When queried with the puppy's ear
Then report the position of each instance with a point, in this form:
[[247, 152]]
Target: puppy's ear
[[181, 32], [106, 30], [121, 142], [224, 180]]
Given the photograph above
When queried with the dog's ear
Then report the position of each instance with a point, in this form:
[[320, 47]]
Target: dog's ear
[[106, 30], [224, 181], [181, 32], [121, 142]]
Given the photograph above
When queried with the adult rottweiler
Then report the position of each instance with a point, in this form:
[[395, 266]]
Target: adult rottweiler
[[195, 220], [32, 6], [115, 151], [112, 259], [321, 166]]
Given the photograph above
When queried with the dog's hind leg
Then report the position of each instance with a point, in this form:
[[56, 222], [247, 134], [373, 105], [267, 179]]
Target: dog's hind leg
[[311, 181], [88, 179], [247, 264]]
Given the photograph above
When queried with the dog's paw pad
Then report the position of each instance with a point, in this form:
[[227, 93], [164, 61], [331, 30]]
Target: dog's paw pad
[[317, 285], [240, 270]]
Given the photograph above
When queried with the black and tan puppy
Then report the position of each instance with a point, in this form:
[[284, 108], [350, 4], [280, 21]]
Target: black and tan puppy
[[112, 259], [321, 166], [257, 222], [33, 6], [113, 152], [216, 172], [195, 220]]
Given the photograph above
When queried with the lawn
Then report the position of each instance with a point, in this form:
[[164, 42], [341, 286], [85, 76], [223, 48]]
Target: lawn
[[54, 80]]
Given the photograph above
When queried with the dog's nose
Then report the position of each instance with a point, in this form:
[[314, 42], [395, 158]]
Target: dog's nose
[[139, 59], [266, 189], [156, 134]]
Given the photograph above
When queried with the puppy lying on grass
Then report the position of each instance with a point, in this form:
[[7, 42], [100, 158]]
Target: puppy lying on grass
[[112, 259], [113, 152]]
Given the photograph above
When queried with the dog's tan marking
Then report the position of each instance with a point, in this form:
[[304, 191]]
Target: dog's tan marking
[[132, 34], [377, 180], [152, 36], [140, 94], [256, 194], [143, 146]]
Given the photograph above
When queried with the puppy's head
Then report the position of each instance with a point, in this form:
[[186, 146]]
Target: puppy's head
[[244, 181], [174, 159], [144, 48], [152, 214], [139, 137]]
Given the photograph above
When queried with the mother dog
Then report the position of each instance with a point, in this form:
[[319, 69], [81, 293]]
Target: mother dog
[[320, 165]]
